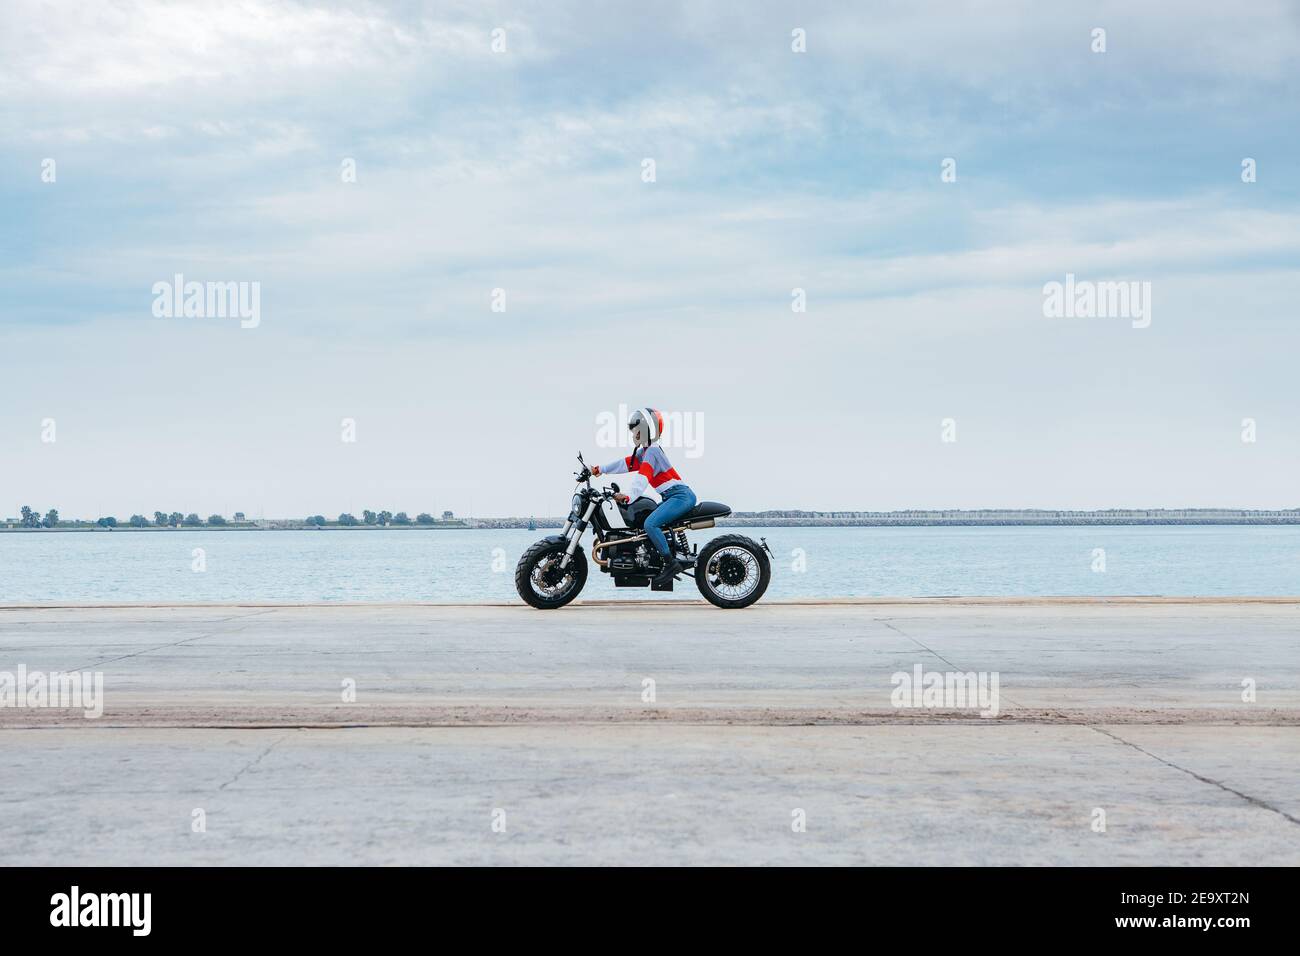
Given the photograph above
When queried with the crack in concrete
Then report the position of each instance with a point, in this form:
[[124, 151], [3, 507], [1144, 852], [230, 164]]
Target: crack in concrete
[[196, 637], [930, 650], [1254, 801], [255, 761]]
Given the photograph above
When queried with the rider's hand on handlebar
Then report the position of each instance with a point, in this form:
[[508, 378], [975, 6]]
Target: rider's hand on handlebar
[[621, 499], [595, 469]]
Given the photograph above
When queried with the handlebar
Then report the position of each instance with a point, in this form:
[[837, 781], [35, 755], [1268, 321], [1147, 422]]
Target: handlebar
[[607, 493], [586, 476]]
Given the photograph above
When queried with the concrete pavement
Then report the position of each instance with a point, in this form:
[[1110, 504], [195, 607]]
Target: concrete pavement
[[658, 734]]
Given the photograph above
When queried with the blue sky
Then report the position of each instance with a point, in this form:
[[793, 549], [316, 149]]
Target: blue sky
[[208, 141]]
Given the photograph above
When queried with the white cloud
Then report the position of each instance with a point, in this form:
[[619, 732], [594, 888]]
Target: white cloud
[[207, 139]]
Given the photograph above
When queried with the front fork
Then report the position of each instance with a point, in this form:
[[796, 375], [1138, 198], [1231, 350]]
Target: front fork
[[577, 530]]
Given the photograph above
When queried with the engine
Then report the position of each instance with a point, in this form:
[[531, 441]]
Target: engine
[[631, 559]]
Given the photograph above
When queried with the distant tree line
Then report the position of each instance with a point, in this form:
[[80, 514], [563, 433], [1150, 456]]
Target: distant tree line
[[174, 519], [32, 519], [377, 518]]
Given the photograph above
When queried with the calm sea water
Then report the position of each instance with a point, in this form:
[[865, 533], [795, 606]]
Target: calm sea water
[[479, 565]]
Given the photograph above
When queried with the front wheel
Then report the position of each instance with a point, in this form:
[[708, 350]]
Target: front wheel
[[732, 571], [541, 581]]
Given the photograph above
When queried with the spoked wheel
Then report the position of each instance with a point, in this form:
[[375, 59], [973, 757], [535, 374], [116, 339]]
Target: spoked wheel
[[733, 571], [541, 581]]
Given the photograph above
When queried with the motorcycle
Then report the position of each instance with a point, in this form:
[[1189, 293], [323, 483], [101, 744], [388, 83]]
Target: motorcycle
[[731, 571]]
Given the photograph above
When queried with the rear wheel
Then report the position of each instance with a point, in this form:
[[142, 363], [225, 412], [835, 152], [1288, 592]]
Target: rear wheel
[[733, 571], [541, 581]]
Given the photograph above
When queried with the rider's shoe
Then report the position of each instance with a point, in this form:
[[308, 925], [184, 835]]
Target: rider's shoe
[[671, 569]]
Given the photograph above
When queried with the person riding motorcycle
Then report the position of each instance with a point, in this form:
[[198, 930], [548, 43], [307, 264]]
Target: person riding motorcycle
[[651, 466]]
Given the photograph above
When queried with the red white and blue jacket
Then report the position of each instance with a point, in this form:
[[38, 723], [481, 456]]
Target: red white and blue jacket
[[649, 465]]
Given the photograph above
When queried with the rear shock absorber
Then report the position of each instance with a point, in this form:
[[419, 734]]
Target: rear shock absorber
[[679, 541]]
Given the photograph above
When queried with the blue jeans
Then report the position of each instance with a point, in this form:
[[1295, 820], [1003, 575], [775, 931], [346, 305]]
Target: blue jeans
[[677, 501]]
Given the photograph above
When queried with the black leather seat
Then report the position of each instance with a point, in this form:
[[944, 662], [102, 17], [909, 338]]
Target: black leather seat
[[708, 509], [635, 513]]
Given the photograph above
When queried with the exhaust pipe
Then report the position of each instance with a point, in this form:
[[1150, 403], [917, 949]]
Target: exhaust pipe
[[697, 525], [598, 545]]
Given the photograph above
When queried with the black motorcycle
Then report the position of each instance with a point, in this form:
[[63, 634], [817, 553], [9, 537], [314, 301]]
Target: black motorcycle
[[731, 571]]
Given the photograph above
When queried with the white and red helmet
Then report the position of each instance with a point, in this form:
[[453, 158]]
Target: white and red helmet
[[646, 425]]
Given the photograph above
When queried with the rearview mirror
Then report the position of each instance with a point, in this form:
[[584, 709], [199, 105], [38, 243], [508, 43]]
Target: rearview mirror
[[614, 486]]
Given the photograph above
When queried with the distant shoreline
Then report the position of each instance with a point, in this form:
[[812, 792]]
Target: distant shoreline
[[772, 519]]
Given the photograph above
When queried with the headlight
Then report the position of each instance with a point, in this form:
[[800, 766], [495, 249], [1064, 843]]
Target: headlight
[[575, 506]]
